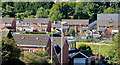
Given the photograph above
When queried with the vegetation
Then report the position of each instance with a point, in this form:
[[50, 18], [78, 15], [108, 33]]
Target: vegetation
[[114, 52], [36, 58], [71, 32], [10, 52], [26, 32], [82, 47], [57, 11]]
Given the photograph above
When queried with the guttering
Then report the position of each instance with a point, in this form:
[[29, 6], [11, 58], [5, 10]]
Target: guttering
[[30, 45]]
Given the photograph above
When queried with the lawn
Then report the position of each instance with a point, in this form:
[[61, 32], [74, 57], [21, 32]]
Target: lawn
[[104, 49]]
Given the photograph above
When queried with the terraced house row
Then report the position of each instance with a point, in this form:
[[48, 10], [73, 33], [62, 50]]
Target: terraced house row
[[106, 24]]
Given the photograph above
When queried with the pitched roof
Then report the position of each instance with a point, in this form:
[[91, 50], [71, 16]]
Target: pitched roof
[[35, 20], [87, 53], [57, 41], [104, 19], [57, 24], [4, 33], [31, 39], [77, 21], [7, 20]]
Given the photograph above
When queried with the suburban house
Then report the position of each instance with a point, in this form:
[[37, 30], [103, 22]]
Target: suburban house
[[34, 42], [5, 33], [84, 57], [35, 24], [107, 24], [80, 26], [8, 23], [57, 26]]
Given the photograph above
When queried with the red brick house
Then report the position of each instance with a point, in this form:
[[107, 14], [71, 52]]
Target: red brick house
[[108, 23], [33, 42], [80, 26], [8, 23], [36, 24]]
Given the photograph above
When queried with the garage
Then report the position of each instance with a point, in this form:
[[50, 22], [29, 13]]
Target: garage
[[79, 61]]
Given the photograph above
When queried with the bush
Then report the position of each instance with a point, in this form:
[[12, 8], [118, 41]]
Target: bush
[[82, 47], [34, 32]]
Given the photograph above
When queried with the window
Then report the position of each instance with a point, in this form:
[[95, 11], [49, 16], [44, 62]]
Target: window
[[101, 26], [2, 23], [25, 23], [38, 24], [84, 25], [108, 26], [79, 25], [115, 26], [30, 50], [71, 25], [31, 24], [44, 24], [38, 29], [64, 24]]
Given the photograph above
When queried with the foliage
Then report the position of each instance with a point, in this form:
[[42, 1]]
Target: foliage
[[10, 52], [54, 32], [41, 12], [39, 57], [110, 11], [41, 32], [6, 16], [114, 53], [71, 32], [55, 15], [82, 47], [76, 10]]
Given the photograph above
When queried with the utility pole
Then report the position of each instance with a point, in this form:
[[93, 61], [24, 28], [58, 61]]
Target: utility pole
[[61, 44], [51, 46]]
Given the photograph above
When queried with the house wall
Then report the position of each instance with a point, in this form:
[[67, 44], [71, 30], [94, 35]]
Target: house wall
[[76, 28], [108, 29], [33, 48]]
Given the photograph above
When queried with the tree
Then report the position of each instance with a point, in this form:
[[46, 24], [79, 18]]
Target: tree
[[55, 15], [110, 11], [114, 53], [82, 47], [71, 32], [27, 13], [10, 52], [39, 57]]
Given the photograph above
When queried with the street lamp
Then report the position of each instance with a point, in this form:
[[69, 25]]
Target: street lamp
[[62, 41]]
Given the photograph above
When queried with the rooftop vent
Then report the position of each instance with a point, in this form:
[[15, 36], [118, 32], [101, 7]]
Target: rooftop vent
[[23, 38], [37, 38], [110, 21]]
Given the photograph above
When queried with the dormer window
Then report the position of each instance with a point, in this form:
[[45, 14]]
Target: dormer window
[[23, 38], [108, 26], [37, 37], [110, 21]]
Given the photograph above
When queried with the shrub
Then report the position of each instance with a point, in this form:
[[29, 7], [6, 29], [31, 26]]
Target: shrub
[[84, 47], [26, 32]]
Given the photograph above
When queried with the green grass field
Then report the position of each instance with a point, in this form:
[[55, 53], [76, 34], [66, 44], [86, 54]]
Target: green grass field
[[104, 49]]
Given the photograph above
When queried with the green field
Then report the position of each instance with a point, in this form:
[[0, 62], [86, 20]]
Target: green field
[[104, 49]]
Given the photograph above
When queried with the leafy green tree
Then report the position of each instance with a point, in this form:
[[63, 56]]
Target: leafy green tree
[[27, 13], [10, 52], [40, 12], [82, 47], [114, 53], [71, 32], [55, 15], [6, 16], [110, 11], [39, 57]]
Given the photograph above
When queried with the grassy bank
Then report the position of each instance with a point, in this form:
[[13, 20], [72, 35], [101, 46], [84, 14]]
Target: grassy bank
[[104, 49]]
